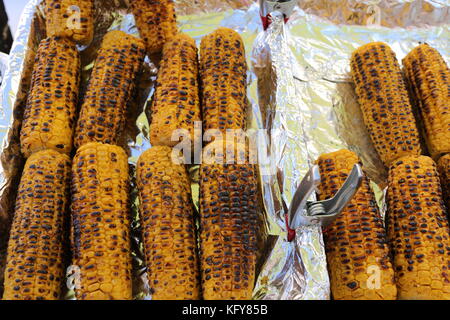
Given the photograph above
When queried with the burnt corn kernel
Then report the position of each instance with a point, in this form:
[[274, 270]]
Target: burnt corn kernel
[[156, 21], [111, 86], [223, 72], [35, 266], [355, 242], [176, 100], [429, 78], [444, 172], [418, 229], [384, 102], [168, 228], [228, 230], [73, 19], [100, 222], [49, 114]]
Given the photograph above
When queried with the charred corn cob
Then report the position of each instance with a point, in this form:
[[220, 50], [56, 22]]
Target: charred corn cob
[[444, 171], [418, 229], [101, 223], [429, 78], [176, 103], [168, 226], [228, 230], [102, 115], [73, 19], [156, 22], [384, 102], [223, 76], [50, 111], [355, 243], [35, 261]]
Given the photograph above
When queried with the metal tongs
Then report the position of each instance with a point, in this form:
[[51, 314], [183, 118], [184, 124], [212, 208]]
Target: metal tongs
[[285, 7], [303, 212]]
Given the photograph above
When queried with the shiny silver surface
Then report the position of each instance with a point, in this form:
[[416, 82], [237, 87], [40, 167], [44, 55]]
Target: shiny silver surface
[[298, 88]]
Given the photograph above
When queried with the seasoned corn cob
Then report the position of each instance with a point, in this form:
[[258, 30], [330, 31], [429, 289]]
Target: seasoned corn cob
[[73, 19], [384, 102], [102, 115], [418, 229], [223, 76], [176, 100], [156, 21], [168, 226], [355, 242], [101, 223], [50, 111], [444, 171], [35, 261], [228, 230], [429, 79]]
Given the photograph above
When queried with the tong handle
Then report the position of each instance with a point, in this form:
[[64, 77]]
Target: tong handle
[[302, 194]]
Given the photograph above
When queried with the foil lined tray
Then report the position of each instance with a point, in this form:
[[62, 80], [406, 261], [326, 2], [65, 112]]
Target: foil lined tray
[[302, 95], [308, 98]]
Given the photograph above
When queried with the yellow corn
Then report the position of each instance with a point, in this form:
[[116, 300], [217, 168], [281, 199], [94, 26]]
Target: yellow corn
[[355, 243], [167, 226], [429, 79], [418, 229], [444, 171], [73, 19], [176, 100], [223, 70], [156, 22], [384, 102], [101, 223], [50, 111], [112, 83], [35, 264], [228, 229]]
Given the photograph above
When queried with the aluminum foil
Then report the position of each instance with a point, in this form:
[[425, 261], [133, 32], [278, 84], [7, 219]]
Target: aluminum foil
[[3, 65], [387, 13], [298, 88], [310, 108]]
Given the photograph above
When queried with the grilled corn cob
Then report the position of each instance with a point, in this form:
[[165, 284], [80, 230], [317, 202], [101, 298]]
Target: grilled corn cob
[[429, 79], [50, 111], [176, 102], [384, 102], [223, 76], [111, 86], [355, 243], [101, 222], [228, 230], [418, 229], [168, 226], [35, 266], [73, 19], [156, 22], [444, 171]]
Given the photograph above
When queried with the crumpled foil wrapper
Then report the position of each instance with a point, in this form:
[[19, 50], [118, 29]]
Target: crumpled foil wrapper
[[309, 106]]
